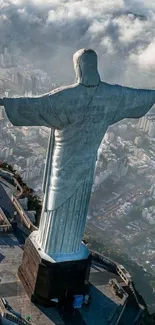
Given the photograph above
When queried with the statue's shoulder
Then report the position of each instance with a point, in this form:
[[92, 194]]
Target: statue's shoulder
[[63, 91], [118, 87], [110, 88]]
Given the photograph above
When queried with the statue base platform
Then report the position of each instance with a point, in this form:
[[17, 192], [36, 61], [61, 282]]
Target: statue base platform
[[45, 278]]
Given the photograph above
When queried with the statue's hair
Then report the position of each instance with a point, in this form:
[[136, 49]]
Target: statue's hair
[[85, 65]]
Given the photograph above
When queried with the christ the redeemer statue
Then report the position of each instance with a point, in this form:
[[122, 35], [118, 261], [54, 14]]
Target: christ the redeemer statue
[[78, 116]]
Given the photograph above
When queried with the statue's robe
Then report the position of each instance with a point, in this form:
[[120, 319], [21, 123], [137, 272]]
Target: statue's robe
[[79, 117]]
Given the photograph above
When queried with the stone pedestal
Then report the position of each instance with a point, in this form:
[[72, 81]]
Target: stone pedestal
[[44, 278]]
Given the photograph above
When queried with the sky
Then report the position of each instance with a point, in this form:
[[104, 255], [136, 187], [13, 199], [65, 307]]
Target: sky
[[48, 33]]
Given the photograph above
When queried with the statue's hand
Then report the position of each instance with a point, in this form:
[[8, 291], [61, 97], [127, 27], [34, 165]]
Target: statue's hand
[[1, 102]]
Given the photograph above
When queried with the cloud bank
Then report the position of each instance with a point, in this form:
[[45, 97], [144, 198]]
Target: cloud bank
[[49, 32]]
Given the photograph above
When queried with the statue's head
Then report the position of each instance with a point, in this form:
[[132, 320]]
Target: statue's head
[[85, 66]]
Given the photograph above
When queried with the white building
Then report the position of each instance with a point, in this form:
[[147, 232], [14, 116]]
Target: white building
[[148, 214], [109, 137], [44, 132], [102, 177], [151, 131]]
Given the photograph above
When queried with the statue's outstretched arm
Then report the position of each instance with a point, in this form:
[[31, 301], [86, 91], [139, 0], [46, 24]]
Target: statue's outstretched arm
[[32, 111], [133, 103]]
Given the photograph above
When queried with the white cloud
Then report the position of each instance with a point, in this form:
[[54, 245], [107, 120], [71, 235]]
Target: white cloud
[[147, 57], [122, 32]]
